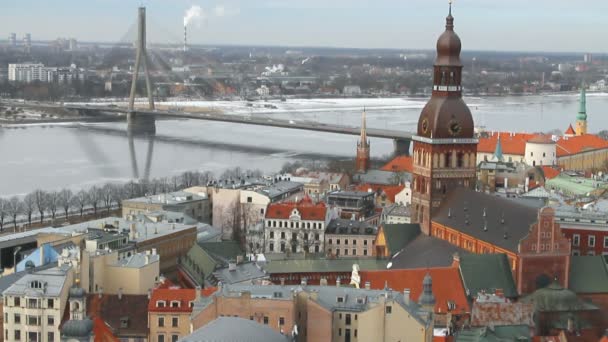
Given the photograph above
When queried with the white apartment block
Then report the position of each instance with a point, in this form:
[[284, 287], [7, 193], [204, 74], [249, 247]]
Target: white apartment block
[[34, 305]]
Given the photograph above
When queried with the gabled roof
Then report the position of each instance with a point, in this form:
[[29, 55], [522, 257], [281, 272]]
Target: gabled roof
[[222, 251], [588, 274], [580, 143], [424, 252], [399, 164], [511, 143], [487, 272], [447, 286], [469, 212], [399, 235], [112, 310], [306, 208], [555, 298], [570, 130], [550, 172]]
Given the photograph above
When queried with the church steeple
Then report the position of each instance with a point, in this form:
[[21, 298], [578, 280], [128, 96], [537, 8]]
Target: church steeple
[[581, 117], [498, 156], [362, 161]]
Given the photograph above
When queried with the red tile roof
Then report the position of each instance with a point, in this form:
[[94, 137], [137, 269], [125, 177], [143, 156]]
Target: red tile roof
[[550, 172], [580, 143], [183, 296], [399, 164], [102, 332], [447, 285], [512, 143], [389, 190], [570, 130], [307, 209]]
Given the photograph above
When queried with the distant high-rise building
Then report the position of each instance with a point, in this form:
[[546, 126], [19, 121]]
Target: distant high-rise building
[[73, 44], [27, 40], [12, 39], [588, 58]]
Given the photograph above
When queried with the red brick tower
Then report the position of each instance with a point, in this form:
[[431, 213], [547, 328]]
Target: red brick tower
[[362, 161], [445, 147]]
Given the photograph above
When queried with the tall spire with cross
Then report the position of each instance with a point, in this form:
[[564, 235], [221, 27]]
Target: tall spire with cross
[[362, 161]]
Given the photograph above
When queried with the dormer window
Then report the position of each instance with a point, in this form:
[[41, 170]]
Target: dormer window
[[124, 322], [191, 304], [36, 284], [451, 305], [340, 300], [161, 304], [175, 304]]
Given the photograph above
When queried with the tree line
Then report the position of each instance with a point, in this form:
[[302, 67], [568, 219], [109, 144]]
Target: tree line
[[40, 204]]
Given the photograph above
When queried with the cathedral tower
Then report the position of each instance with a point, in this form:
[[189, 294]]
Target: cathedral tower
[[362, 161], [581, 117], [445, 147]]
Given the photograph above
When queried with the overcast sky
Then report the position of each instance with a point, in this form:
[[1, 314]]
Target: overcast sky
[[514, 25]]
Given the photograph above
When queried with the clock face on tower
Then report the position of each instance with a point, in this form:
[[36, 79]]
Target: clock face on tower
[[454, 127], [425, 125]]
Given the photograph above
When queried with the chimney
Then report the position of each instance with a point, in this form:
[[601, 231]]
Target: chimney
[[323, 281], [406, 296], [120, 293], [282, 281], [42, 255], [197, 294], [239, 259], [132, 231], [149, 294], [147, 259], [153, 251], [338, 282], [303, 282], [100, 294], [232, 266], [368, 285]]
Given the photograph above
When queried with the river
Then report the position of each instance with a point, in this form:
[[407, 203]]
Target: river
[[80, 155]]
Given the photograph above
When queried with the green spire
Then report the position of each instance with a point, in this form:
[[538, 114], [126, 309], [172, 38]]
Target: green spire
[[498, 151], [582, 111]]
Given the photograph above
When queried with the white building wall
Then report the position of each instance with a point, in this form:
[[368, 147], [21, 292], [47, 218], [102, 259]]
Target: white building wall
[[540, 154]]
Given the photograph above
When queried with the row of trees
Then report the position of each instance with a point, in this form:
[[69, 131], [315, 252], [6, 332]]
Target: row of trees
[[64, 203]]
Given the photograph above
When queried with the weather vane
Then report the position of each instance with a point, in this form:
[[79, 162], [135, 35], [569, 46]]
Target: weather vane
[[450, 2]]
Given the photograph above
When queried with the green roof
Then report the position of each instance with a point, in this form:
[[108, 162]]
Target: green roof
[[503, 333], [588, 274], [555, 298], [323, 265], [487, 272], [223, 251], [579, 186], [199, 263], [399, 235]]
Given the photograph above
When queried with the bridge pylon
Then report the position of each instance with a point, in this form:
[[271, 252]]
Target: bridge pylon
[[141, 124]]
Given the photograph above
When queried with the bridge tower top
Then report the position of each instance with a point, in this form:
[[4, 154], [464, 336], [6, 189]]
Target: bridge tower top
[[141, 60]]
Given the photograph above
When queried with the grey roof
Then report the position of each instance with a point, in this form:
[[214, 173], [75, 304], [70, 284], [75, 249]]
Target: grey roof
[[77, 328], [350, 227], [350, 194], [7, 280], [382, 177], [53, 280], [242, 273], [222, 329], [138, 260], [425, 251], [171, 198], [279, 189], [396, 210], [467, 211]]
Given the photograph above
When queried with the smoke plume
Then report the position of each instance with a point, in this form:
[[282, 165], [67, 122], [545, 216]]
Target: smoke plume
[[193, 13]]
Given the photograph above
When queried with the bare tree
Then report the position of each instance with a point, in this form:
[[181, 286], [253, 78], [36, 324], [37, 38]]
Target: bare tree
[[118, 195], [106, 196], [15, 208], [29, 204], [41, 199], [81, 199], [53, 203], [95, 197], [65, 201], [3, 212]]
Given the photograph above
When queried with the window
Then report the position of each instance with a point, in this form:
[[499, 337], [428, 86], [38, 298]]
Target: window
[[161, 321], [340, 300], [281, 320], [317, 236], [389, 309], [32, 303], [174, 304], [174, 338], [17, 301], [591, 241], [365, 252], [337, 241], [50, 320], [161, 338], [175, 322], [346, 241], [354, 242], [249, 199], [33, 336], [271, 247], [576, 240], [282, 235], [50, 336], [354, 251], [50, 303], [345, 251], [339, 331], [271, 234], [266, 320], [347, 319], [364, 242], [17, 335], [330, 241], [605, 241], [33, 320], [17, 318]]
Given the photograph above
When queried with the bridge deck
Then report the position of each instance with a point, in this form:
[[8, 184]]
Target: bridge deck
[[238, 119]]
